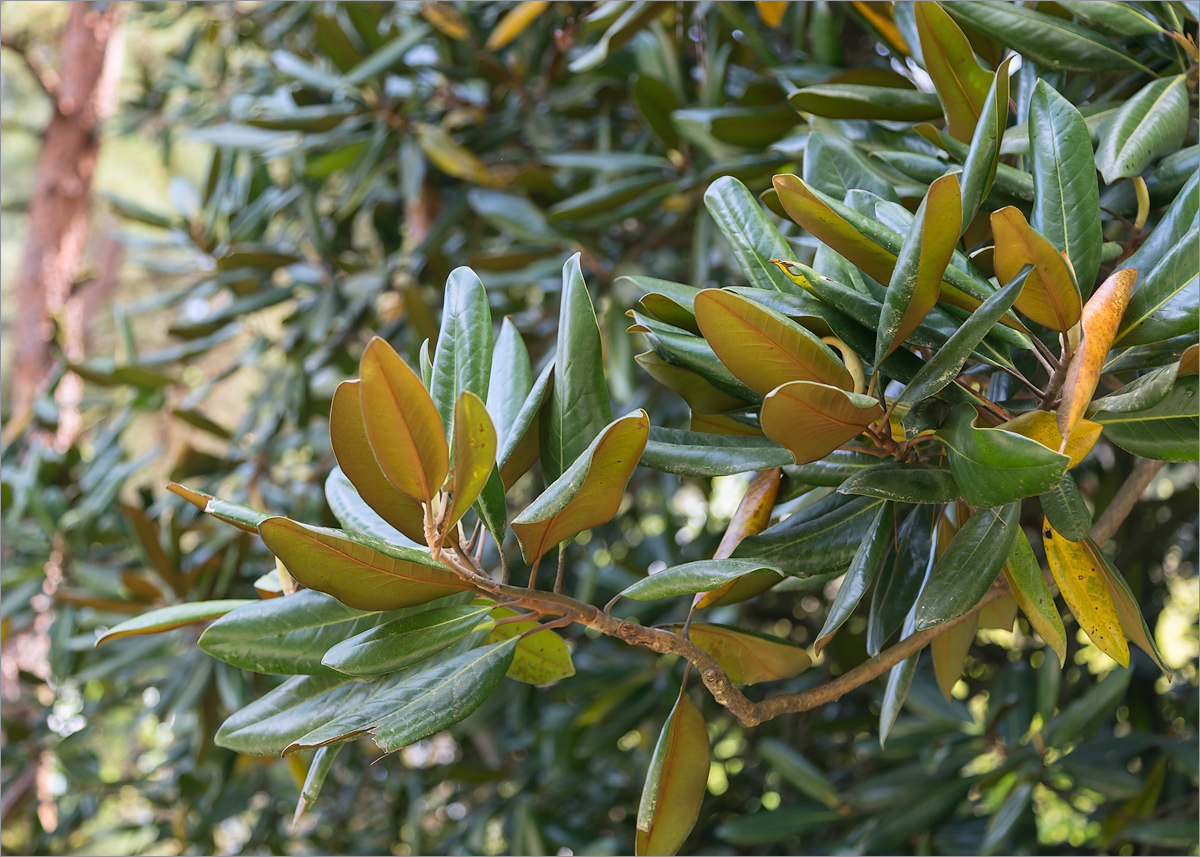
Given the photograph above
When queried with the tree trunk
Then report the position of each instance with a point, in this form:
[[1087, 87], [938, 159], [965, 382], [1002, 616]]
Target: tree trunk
[[84, 93]]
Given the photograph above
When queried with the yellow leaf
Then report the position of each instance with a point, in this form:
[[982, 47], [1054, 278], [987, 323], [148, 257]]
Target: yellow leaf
[[721, 424], [1050, 296], [402, 423], [514, 22], [540, 658], [1084, 588], [751, 518], [358, 571], [446, 19], [474, 454], [1000, 614], [448, 156], [1099, 322], [348, 435], [812, 420], [949, 650], [880, 17], [771, 11], [589, 491], [762, 348], [1042, 426], [749, 658], [675, 782]]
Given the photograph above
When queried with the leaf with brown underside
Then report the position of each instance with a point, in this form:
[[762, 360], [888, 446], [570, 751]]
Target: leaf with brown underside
[[812, 420], [949, 651], [1085, 589], [474, 454], [721, 424], [957, 76], [675, 782], [402, 423], [359, 571], [1099, 322], [751, 518], [746, 657], [1051, 295], [762, 348], [702, 397], [348, 435], [589, 491]]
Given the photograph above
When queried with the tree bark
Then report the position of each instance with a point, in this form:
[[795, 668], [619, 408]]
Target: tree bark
[[83, 94]]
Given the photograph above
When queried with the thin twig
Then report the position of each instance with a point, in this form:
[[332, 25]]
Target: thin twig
[[562, 567]]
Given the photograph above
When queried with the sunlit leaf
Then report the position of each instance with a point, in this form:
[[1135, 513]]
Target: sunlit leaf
[[1051, 296], [540, 658], [474, 455], [961, 82], [174, 616], [515, 21]]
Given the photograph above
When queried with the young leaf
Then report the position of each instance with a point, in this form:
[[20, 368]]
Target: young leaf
[[1029, 588], [960, 81], [752, 236], [318, 770], [948, 652], [402, 423], [1051, 296], [462, 361], [1150, 124], [519, 450], [916, 279], [746, 657], [812, 420], [405, 641], [1042, 426], [172, 617], [1066, 205], [675, 783], [979, 169], [578, 409], [750, 518], [763, 348], [1085, 589], [541, 658], [588, 493], [359, 571], [348, 436], [474, 455], [1100, 319], [692, 577], [859, 576], [1132, 621]]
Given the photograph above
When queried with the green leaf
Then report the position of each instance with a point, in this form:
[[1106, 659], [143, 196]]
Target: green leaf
[[355, 515], [318, 770], [462, 361], [904, 483], [1121, 20], [818, 540], [578, 409], [691, 352], [511, 379], [994, 466], [1180, 218], [979, 169], [1167, 303], [961, 82], [832, 470], [798, 771], [388, 56], [169, 618], [656, 102], [588, 493], [767, 827], [752, 236], [916, 279], [1133, 623], [895, 691], [835, 166], [675, 782], [969, 566], [1150, 124], [1142, 392], [284, 636], [1034, 597], [630, 21], [242, 517], [693, 577], [1054, 44], [1066, 207], [701, 396], [361, 572], [863, 567], [855, 101], [1086, 712], [690, 453], [267, 725], [1165, 432], [405, 641], [900, 581], [1066, 510], [514, 215], [519, 449], [946, 364]]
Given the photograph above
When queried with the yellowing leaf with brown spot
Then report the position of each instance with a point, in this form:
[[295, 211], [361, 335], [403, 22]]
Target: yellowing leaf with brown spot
[[359, 571], [402, 423], [762, 348], [1042, 426], [750, 518], [771, 11], [949, 651], [1099, 322], [675, 783], [540, 658], [515, 21], [348, 435], [1132, 622], [589, 491], [749, 658], [474, 454], [812, 420], [1085, 589], [1050, 296]]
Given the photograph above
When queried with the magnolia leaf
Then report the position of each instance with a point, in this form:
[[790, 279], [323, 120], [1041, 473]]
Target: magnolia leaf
[[402, 423], [1051, 296], [983, 157], [859, 576], [474, 455], [515, 21], [960, 81], [172, 617], [1133, 623], [405, 641], [948, 651], [857, 101], [1034, 597], [752, 236], [511, 380], [675, 783], [242, 517], [701, 396], [588, 493], [695, 453], [748, 657], [811, 420], [1165, 431], [1085, 589], [1066, 510], [691, 577], [1151, 123], [462, 361], [750, 518], [904, 483], [540, 658], [1042, 426]]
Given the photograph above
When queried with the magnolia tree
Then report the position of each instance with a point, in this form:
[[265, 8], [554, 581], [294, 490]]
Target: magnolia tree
[[910, 386]]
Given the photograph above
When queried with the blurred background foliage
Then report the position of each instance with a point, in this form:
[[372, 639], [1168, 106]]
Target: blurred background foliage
[[287, 179]]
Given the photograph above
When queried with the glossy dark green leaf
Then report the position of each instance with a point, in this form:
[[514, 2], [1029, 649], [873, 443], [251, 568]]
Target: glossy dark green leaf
[[859, 576], [767, 827], [656, 102], [900, 581], [174, 616], [682, 349], [285, 636], [753, 127], [514, 215], [603, 199], [1121, 20], [969, 566], [404, 641], [242, 517], [1166, 431], [1142, 392], [983, 157], [1087, 711], [1167, 302], [1066, 510], [752, 236], [629, 20], [895, 692], [387, 56], [462, 361], [1066, 208], [948, 362], [993, 466], [693, 577], [904, 483], [578, 408], [690, 453], [835, 166], [855, 101], [1151, 123], [1015, 804], [519, 446], [832, 470]]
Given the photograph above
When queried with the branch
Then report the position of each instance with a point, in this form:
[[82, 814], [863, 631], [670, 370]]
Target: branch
[[1127, 496], [46, 78]]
